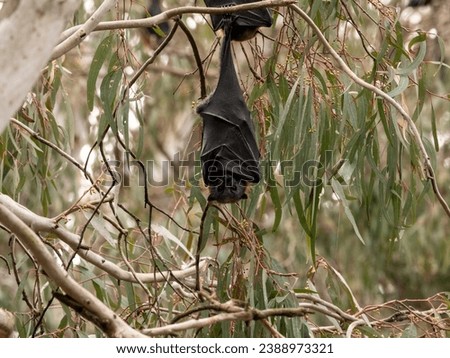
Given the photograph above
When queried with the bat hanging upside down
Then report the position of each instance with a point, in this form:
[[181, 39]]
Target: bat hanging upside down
[[245, 23], [230, 155]]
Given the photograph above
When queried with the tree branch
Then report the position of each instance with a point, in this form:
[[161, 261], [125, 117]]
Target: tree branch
[[83, 31], [41, 224], [165, 16], [231, 312], [110, 323], [197, 58], [28, 36]]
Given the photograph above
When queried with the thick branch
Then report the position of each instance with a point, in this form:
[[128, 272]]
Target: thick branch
[[111, 324], [28, 36], [84, 30]]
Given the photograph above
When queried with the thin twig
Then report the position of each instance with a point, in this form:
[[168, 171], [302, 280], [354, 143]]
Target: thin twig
[[98, 142], [43, 224], [17, 276], [198, 60], [130, 267]]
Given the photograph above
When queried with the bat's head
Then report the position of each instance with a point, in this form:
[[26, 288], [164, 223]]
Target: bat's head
[[229, 190]]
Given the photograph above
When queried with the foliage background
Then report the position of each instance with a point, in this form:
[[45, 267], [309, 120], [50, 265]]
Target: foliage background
[[344, 213]]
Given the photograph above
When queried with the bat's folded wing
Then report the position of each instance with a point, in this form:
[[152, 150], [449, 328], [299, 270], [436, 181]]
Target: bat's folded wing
[[228, 150]]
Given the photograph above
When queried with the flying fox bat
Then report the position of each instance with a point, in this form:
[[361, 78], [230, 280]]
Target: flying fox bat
[[230, 155], [245, 23]]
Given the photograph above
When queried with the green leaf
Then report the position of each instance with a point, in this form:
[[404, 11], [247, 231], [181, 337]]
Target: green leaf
[[276, 201], [102, 52], [402, 85], [166, 234], [252, 203], [410, 331], [32, 143], [305, 290], [301, 213], [131, 295], [339, 191], [56, 83], [124, 111], [197, 195], [370, 332], [413, 65], [64, 322], [99, 290], [434, 129], [442, 52], [210, 220], [140, 140], [158, 31]]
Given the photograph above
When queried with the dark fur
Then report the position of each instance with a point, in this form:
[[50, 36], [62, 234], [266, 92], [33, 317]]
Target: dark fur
[[230, 155]]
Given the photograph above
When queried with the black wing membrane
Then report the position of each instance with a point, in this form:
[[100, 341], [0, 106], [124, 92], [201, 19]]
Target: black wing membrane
[[230, 155], [245, 23]]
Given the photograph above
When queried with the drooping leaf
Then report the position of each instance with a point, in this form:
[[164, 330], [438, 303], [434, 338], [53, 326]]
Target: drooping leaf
[[101, 54]]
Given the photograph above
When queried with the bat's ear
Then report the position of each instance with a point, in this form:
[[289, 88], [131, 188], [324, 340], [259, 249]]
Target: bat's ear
[[244, 196]]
